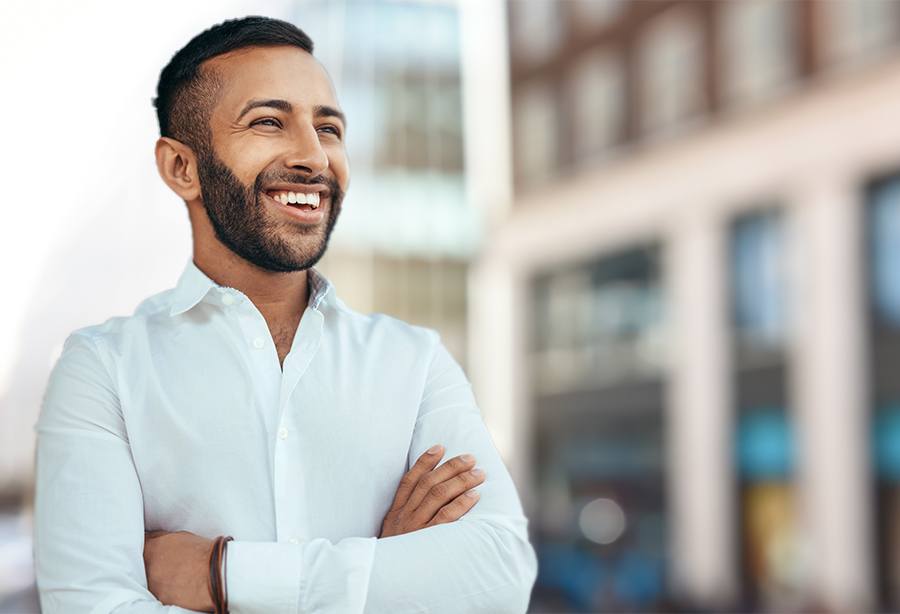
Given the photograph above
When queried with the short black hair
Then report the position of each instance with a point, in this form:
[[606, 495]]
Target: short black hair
[[186, 93]]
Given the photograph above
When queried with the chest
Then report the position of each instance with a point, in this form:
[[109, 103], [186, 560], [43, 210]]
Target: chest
[[283, 336], [220, 437]]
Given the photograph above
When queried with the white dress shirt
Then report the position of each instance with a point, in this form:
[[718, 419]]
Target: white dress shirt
[[180, 417]]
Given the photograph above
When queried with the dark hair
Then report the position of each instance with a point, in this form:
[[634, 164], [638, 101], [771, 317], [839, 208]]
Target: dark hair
[[186, 93]]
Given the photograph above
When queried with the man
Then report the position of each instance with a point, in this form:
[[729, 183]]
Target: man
[[249, 401]]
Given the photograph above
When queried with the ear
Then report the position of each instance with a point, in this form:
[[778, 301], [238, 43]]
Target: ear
[[177, 165]]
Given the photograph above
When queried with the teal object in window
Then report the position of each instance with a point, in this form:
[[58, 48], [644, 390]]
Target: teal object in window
[[886, 442], [765, 444]]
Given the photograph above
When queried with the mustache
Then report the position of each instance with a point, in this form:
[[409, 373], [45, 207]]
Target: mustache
[[330, 182]]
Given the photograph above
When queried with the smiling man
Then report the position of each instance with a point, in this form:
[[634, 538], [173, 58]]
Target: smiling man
[[245, 441]]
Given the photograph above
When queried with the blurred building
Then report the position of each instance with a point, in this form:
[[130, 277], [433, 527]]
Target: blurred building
[[687, 311], [406, 231]]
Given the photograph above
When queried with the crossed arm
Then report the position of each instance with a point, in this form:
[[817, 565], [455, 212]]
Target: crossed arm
[[177, 563], [89, 532]]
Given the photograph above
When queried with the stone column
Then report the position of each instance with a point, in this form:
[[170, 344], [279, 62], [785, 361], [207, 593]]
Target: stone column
[[699, 413]]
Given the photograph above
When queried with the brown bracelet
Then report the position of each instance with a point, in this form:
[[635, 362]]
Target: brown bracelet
[[217, 589], [224, 567]]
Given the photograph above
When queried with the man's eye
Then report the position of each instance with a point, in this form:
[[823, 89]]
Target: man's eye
[[272, 122], [333, 129]]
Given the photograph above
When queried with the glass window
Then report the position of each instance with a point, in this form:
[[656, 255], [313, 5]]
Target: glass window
[[858, 30], [536, 129], [601, 521], [772, 542], [600, 323], [536, 28], [885, 446], [758, 49], [884, 230], [758, 277], [883, 237], [600, 525], [601, 528], [671, 70], [597, 84], [565, 309], [397, 68], [596, 12]]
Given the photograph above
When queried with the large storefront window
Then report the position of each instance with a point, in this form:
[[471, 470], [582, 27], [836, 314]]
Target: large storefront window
[[769, 540], [883, 234], [600, 530]]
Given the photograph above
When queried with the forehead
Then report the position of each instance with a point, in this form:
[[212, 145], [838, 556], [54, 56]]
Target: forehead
[[285, 72]]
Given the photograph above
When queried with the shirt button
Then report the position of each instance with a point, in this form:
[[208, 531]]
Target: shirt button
[[283, 433], [294, 540], [258, 342], [228, 299]]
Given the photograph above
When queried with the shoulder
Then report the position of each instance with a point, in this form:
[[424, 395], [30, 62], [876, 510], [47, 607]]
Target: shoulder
[[382, 329], [82, 391], [116, 330]]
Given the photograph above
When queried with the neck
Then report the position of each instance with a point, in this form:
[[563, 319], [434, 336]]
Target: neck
[[280, 297]]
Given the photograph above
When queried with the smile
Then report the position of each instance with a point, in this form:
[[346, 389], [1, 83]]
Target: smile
[[298, 198], [307, 211]]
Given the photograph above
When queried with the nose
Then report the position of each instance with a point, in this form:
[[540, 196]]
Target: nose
[[306, 153]]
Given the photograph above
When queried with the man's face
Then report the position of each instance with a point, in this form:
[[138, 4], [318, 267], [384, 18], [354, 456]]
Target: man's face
[[276, 129]]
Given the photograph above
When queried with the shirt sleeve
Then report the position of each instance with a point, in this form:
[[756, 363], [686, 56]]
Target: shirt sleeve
[[88, 514], [481, 563]]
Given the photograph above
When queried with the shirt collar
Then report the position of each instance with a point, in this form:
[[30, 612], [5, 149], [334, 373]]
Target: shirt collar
[[194, 285]]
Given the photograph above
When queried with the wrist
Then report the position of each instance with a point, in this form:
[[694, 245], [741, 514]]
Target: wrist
[[210, 602], [218, 593]]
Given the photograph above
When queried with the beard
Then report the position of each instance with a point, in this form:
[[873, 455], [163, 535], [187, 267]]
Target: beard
[[243, 223]]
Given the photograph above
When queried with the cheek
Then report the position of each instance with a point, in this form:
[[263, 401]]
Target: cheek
[[340, 166], [247, 163]]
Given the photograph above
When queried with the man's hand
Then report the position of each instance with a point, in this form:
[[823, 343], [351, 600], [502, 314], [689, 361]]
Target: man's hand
[[428, 496], [177, 567]]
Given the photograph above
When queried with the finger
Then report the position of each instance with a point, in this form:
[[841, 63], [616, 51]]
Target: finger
[[456, 509], [451, 468], [445, 492], [422, 466]]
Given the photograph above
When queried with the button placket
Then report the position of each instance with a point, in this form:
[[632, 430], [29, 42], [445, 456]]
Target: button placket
[[291, 512], [262, 364]]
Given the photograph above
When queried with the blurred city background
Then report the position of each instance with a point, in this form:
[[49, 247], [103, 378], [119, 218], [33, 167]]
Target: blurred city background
[[662, 238]]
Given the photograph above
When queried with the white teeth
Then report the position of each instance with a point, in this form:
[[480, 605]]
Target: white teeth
[[298, 198]]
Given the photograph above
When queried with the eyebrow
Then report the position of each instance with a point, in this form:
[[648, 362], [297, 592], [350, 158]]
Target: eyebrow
[[326, 111], [287, 107], [281, 105]]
